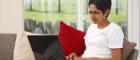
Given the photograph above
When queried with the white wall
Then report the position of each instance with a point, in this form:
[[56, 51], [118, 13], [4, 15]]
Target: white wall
[[11, 16]]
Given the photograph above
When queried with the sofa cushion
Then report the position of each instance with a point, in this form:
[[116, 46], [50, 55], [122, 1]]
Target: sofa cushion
[[71, 39], [128, 47], [23, 50], [134, 55]]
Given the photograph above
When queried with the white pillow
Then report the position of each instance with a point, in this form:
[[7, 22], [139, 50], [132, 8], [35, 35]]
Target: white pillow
[[23, 50]]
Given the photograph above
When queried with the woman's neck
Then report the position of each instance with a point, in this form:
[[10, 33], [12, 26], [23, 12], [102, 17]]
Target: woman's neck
[[103, 24]]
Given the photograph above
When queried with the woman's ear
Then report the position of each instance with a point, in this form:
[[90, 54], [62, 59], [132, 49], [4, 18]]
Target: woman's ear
[[106, 13]]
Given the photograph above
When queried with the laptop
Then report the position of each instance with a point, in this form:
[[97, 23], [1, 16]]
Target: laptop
[[40, 43]]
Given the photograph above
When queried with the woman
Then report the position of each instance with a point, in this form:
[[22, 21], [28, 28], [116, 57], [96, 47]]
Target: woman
[[104, 39]]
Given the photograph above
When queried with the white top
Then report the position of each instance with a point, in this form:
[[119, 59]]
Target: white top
[[100, 41]]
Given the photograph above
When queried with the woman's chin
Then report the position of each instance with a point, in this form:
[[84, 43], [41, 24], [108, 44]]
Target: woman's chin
[[94, 22]]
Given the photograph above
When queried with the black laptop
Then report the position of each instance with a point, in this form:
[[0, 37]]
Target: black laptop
[[39, 44]]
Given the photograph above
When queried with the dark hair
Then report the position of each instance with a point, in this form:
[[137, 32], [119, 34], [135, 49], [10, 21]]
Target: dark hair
[[102, 5]]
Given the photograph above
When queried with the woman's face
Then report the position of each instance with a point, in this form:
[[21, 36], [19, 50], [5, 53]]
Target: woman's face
[[96, 15]]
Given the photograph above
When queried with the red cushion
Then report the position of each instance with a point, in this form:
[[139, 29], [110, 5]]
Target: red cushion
[[71, 39]]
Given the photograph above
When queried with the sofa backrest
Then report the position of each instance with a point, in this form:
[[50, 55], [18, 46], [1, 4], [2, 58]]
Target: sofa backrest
[[6, 46]]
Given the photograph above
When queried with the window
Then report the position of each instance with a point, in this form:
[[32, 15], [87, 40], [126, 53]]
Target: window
[[43, 16]]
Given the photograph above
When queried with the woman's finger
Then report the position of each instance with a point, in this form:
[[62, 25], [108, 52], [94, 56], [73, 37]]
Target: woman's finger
[[66, 57]]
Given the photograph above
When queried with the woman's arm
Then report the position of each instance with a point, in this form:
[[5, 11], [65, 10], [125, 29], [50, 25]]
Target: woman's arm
[[116, 54], [73, 56]]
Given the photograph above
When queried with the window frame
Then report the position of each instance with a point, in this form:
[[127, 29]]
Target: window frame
[[133, 22]]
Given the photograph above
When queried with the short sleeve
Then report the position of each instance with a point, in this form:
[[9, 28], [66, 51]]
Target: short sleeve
[[89, 30], [115, 38]]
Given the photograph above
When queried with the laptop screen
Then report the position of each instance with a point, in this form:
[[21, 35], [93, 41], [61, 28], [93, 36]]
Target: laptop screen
[[40, 43]]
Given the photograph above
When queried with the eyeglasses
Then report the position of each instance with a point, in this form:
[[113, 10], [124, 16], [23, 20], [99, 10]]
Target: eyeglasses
[[94, 12]]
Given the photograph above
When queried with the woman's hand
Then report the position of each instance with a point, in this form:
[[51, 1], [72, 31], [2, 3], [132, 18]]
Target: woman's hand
[[73, 56]]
